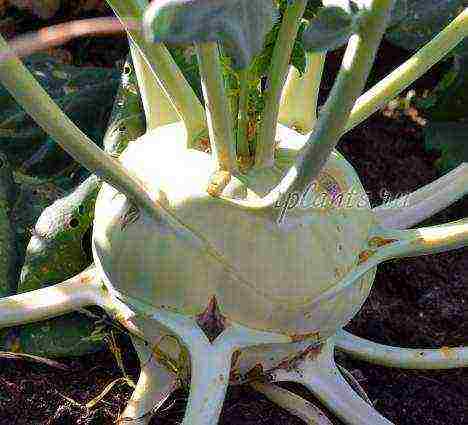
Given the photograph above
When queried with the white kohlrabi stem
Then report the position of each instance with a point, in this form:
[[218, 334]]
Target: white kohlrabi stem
[[158, 109], [155, 384], [298, 107], [291, 402], [36, 102], [318, 372], [410, 71], [423, 203], [218, 114], [264, 154], [405, 358], [210, 361], [77, 292], [163, 69]]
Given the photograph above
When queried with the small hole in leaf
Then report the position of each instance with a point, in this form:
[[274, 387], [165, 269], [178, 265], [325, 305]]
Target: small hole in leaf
[[122, 128], [81, 210], [74, 223], [127, 70]]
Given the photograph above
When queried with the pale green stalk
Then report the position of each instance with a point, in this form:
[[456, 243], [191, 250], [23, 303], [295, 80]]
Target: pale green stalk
[[404, 358], [36, 102], [218, 113], [410, 71], [423, 203], [243, 117], [164, 70], [77, 292], [355, 68], [298, 107], [400, 244], [264, 154], [158, 109]]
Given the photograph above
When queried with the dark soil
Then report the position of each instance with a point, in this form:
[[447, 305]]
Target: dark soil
[[419, 302]]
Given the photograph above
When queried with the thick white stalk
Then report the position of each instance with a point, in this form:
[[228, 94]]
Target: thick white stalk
[[298, 107], [155, 385], [404, 358], [158, 109], [210, 361], [423, 203], [209, 381], [77, 292], [318, 372], [379, 95]]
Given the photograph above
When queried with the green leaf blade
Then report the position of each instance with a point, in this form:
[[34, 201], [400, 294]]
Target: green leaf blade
[[240, 26]]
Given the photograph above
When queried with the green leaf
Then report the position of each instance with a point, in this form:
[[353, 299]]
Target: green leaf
[[85, 94], [240, 26], [329, 29], [450, 138], [8, 249], [55, 250]]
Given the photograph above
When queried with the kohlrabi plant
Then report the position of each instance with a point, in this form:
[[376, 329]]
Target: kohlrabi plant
[[244, 261]]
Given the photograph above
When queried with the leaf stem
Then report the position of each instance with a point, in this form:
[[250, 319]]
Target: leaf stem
[[426, 201], [164, 69], [158, 108], [77, 292], [298, 107], [37, 103], [264, 155], [243, 117], [403, 358], [355, 68], [218, 114], [409, 71]]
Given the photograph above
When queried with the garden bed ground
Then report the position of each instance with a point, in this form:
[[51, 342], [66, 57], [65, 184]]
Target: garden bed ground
[[418, 302]]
